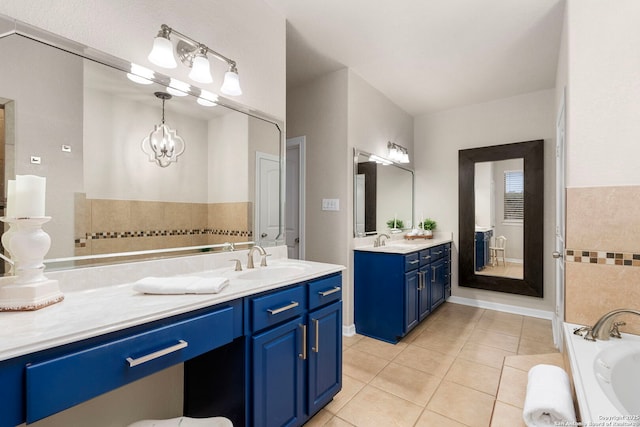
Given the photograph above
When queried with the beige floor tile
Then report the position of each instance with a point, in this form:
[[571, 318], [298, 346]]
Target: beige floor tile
[[537, 330], [415, 332], [372, 407], [407, 383], [506, 416], [426, 360], [379, 348], [526, 362], [453, 327], [513, 387], [501, 315], [441, 341], [496, 340], [337, 422], [463, 404], [535, 347], [489, 356], [432, 419], [319, 419], [475, 375], [348, 341], [509, 327], [362, 366], [350, 387]]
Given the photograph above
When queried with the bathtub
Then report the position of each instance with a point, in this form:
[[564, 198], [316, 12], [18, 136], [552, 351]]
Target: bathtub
[[606, 376]]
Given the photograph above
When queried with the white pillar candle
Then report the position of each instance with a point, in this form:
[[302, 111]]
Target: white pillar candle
[[30, 196], [11, 199]]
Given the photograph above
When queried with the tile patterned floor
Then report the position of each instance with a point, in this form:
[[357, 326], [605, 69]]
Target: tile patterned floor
[[445, 373]]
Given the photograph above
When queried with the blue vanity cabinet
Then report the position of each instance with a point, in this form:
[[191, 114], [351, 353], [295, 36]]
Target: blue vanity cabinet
[[296, 351], [482, 241], [447, 270]]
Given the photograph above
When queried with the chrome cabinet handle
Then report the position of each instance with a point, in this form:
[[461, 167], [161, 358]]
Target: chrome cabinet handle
[[156, 354], [303, 355], [329, 292], [420, 279], [433, 274], [414, 261], [274, 311], [426, 257], [316, 323]]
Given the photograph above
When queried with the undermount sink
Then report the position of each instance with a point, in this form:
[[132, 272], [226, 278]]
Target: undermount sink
[[272, 272]]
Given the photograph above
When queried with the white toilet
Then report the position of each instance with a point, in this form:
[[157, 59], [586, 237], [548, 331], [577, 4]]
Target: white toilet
[[185, 422]]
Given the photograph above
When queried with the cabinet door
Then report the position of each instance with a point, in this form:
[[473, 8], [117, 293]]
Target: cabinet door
[[325, 356], [278, 375], [437, 276], [424, 292], [411, 284]]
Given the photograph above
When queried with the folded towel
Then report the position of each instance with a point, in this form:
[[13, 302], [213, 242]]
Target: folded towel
[[185, 422], [548, 401], [181, 285]]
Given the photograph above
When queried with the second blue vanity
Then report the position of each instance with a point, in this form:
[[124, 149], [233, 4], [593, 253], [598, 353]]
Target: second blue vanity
[[396, 286]]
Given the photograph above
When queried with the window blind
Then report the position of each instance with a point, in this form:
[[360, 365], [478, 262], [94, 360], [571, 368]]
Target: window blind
[[514, 195]]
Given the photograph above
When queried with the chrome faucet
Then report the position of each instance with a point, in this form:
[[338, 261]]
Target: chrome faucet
[[379, 242], [605, 327], [261, 251]]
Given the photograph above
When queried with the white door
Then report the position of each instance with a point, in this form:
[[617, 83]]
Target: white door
[[294, 206], [267, 209], [558, 253]]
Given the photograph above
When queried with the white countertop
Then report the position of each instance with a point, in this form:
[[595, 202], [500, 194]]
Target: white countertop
[[404, 246], [91, 312]]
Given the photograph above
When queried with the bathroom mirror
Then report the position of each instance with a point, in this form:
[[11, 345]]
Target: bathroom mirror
[[382, 192], [483, 199], [73, 116]]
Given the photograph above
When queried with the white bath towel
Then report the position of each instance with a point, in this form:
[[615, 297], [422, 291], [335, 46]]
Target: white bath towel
[[548, 401], [181, 285], [185, 422]]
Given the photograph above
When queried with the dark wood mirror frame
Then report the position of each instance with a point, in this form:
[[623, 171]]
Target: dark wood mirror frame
[[533, 154]]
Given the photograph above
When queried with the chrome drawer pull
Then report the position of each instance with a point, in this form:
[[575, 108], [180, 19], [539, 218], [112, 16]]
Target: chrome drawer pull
[[144, 359], [293, 304], [316, 322], [329, 292], [303, 355], [414, 262], [426, 257]]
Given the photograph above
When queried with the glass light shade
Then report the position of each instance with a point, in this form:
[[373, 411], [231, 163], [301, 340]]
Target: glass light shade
[[207, 99], [200, 71], [162, 53], [178, 88], [405, 158], [140, 75], [163, 145], [231, 84]]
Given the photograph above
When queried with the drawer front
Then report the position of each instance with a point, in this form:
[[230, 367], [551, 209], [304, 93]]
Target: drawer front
[[275, 307], [411, 261], [59, 383], [437, 252], [425, 256], [324, 291]]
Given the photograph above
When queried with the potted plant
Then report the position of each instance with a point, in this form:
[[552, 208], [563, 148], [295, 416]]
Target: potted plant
[[395, 224], [428, 225]]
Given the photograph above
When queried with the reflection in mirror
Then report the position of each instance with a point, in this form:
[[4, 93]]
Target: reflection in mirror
[[499, 220], [383, 191], [501, 204], [85, 121]]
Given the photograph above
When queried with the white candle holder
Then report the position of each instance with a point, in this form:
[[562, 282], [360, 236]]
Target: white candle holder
[[28, 288]]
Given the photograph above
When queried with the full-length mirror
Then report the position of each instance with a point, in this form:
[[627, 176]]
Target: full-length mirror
[[501, 217], [81, 123], [383, 193]]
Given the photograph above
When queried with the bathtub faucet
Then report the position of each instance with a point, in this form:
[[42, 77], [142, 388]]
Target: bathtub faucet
[[605, 327]]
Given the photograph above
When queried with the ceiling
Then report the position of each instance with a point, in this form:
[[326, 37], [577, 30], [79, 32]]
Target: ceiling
[[427, 55]]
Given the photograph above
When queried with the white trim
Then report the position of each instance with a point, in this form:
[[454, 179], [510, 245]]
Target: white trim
[[349, 330], [507, 308], [301, 142]]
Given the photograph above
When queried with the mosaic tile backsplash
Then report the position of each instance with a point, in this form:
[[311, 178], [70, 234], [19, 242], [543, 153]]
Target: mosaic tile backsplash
[[602, 257]]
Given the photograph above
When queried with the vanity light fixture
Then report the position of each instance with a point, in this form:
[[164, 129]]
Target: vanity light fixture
[[398, 153], [163, 145], [379, 160], [194, 55], [207, 99], [140, 75], [178, 87]]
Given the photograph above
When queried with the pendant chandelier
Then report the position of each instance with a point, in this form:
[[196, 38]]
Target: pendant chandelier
[[163, 145]]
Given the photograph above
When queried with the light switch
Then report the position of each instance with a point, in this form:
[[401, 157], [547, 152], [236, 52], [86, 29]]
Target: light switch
[[330, 204]]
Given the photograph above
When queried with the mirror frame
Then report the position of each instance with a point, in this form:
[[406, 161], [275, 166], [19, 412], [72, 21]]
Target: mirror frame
[[357, 152], [533, 154], [10, 27]]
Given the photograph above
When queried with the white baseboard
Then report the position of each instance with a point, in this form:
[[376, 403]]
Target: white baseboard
[[349, 331], [507, 308]]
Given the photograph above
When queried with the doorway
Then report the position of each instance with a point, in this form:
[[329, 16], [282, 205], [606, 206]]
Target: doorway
[[295, 197], [558, 254]]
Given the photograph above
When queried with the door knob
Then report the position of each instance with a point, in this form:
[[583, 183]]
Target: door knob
[[263, 235], [556, 254], [297, 240]]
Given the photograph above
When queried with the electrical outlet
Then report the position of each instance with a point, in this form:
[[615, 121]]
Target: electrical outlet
[[330, 204], [35, 160]]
